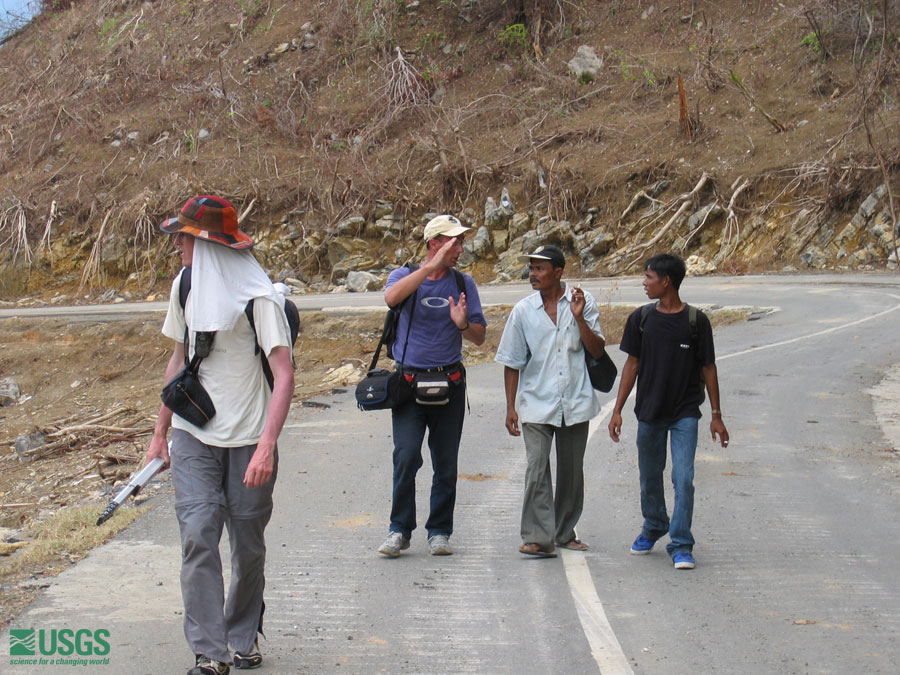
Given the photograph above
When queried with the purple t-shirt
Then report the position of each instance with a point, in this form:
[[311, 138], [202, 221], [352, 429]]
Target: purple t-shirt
[[435, 340]]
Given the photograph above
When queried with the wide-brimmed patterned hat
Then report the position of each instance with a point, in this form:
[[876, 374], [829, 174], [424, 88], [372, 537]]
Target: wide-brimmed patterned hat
[[211, 218]]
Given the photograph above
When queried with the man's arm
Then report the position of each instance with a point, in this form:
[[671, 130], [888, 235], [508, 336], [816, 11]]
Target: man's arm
[[592, 342], [511, 386], [626, 383], [716, 425], [262, 464], [475, 333], [159, 446], [403, 288]]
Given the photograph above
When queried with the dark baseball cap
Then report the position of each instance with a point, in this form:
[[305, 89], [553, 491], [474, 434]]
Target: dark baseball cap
[[546, 252]]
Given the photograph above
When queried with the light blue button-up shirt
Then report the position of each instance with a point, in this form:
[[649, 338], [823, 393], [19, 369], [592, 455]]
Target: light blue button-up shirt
[[554, 386]]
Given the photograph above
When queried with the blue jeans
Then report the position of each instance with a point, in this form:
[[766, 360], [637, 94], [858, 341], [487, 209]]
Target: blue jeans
[[651, 442], [444, 424]]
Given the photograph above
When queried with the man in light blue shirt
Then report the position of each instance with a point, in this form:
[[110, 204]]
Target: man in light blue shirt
[[542, 349]]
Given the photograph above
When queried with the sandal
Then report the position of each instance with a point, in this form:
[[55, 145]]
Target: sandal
[[537, 550], [574, 545]]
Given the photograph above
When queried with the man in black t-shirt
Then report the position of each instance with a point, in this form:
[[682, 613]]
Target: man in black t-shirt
[[671, 355]]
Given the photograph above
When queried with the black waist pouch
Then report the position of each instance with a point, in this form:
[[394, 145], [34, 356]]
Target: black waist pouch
[[186, 397], [434, 387]]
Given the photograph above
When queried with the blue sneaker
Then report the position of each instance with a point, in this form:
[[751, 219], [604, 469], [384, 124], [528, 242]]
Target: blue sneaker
[[642, 545], [683, 561]]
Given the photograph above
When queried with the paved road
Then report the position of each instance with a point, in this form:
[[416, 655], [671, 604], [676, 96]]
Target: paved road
[[796, 528]]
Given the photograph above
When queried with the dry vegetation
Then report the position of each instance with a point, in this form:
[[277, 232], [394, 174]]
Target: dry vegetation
[[317, 110]]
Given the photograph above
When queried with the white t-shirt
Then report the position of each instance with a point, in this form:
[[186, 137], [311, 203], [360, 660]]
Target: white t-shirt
[[232, 373]]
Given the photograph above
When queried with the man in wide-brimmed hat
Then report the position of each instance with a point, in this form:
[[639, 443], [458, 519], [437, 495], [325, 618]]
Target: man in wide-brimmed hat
[[224, 471]]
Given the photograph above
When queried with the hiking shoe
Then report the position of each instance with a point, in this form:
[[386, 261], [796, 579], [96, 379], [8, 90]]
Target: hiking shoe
[[392, 546], [252, 659], [439, 544], [683, 561], [207, 666], [642, 545]]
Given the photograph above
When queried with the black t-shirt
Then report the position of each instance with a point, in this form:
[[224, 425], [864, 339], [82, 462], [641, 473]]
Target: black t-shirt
[[669, 385]]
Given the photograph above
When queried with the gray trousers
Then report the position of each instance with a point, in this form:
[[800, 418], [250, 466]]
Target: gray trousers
[[210, 493], [547, 520]]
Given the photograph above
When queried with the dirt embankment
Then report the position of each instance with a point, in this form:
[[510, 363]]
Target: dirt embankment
[[309, 114]]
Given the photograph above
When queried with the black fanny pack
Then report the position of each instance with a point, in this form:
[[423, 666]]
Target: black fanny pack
[[186, 397]]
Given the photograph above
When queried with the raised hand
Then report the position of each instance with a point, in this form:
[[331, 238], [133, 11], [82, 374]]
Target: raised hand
[[577, 304], [459, 312]]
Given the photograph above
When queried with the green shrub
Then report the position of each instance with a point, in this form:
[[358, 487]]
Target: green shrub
[[514, 37]]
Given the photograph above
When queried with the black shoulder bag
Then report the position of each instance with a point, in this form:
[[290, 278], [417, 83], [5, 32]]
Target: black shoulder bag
[[381, 389], [602, 371]]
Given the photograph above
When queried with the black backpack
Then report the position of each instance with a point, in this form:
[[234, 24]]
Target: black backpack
[[392, 318], [290, 311]]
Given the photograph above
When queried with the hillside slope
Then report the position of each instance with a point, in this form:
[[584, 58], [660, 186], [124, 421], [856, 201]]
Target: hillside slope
[[338, 126]]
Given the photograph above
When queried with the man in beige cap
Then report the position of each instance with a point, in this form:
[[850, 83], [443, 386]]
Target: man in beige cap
[[439, 306]]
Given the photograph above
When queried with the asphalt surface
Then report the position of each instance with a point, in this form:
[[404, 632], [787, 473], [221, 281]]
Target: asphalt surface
[[796, 528]]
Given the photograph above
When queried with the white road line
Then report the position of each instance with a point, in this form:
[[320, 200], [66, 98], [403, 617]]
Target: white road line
[[809, 336], [605, 647]]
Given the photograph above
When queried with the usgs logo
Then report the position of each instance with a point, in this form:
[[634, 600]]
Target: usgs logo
[[58, 642]]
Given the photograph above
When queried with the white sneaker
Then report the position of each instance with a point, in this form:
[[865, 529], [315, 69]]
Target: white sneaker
[[392, 546], [440, 545]]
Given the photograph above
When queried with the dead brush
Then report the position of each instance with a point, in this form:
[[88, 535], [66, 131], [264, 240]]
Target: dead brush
[[14, 231], [405, 86], [404, 89], [91, 274], [143, 235], [679, 205]]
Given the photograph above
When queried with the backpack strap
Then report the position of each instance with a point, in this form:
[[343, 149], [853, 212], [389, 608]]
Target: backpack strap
[[692, 318], [645, 312], [267, 369], [393, 314], [460, 279], [184, 286]]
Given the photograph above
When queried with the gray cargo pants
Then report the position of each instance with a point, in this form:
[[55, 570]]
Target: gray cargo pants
[[210, 493], [547, 520]]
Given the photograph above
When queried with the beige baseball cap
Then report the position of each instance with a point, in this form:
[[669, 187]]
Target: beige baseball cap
[[448, 226]]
